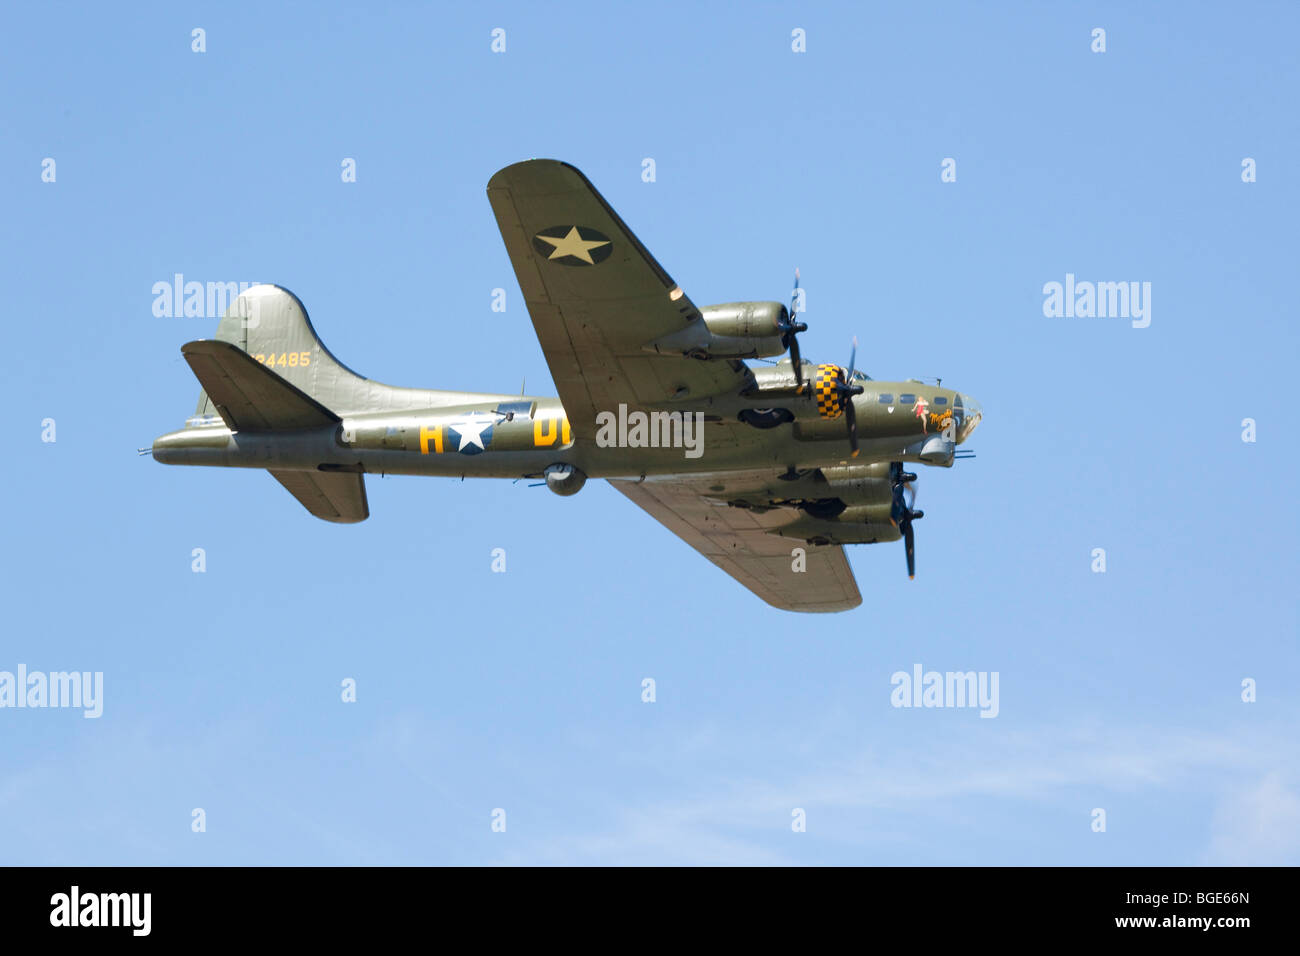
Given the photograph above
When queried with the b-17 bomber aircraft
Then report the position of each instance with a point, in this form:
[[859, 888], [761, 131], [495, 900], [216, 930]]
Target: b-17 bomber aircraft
[[746, 463]]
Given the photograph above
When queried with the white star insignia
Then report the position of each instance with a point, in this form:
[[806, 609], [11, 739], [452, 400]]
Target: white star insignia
[[471, 432], [574, 245]]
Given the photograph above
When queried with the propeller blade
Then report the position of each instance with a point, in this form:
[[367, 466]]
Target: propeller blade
[[853, 358], [852, 417], [792, 330], [909, 541], [897, 507], [901, 512]]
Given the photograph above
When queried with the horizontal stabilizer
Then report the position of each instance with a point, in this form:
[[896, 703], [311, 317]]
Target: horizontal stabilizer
[[248, 395], [333, 495]]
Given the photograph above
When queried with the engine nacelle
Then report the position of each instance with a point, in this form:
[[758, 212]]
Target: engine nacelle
[[564, 480], [734, 330], [746, 329], [859, 484], [862, 524]]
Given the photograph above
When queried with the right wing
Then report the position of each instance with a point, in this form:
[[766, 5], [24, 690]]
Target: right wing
[[597, 298], [740, 542]]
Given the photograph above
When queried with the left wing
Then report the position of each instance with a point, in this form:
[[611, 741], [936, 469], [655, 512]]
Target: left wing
[[740, 542], [597, 298]]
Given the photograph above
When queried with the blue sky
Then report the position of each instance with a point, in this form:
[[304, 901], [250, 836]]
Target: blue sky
[[522, 690]]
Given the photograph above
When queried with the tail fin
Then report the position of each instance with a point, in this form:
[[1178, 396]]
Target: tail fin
[[271, 325]]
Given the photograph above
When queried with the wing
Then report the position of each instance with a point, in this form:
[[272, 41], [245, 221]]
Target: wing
[[739, 541], [598, 298]]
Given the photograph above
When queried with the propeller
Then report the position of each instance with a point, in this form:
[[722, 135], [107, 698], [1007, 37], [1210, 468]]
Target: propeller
[[790, 330], [902, 513], [844, 385]]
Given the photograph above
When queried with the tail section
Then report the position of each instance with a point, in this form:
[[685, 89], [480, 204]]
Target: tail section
[[271, 325], [268, 371]]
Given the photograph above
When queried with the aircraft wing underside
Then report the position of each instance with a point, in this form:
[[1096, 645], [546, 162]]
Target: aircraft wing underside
[[597, 297], [740, 542]]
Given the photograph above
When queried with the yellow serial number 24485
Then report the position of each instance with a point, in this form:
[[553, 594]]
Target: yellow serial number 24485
[[285, 359]]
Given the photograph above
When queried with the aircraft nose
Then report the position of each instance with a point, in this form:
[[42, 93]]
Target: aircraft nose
[[969, 415]]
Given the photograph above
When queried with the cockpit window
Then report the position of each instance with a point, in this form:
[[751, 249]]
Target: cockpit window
[[886, 399], [860, 376]]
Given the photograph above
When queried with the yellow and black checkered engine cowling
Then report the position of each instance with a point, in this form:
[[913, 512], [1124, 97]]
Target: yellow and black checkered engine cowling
[[825, 391]]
